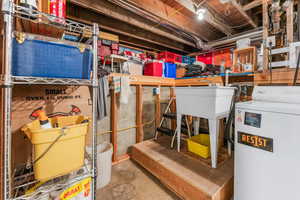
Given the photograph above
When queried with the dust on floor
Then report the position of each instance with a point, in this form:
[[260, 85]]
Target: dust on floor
[[132, 182]]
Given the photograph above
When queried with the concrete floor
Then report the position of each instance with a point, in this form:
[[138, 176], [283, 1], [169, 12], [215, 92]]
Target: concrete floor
[[132, 182]]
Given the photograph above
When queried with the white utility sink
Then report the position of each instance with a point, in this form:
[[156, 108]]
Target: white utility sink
[[212, 103]]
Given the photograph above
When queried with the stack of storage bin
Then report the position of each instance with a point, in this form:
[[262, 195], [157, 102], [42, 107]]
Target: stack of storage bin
[[169, 70], [154, 68]]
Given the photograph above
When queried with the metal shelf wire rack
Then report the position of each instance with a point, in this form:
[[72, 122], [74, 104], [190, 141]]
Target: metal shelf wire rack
[[14, 181]]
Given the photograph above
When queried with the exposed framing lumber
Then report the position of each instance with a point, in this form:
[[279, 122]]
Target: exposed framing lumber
[[252, 4], [279, 76], [179, 20], [241, 10], [139, 114], [173, 108], [114, 123], [128, 32], [157, 109], [172, 16], [209, 18], [290, 22], [265, 34]]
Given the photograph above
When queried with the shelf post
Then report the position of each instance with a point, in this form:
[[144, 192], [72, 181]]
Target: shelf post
[[94, 109], [7, 9]]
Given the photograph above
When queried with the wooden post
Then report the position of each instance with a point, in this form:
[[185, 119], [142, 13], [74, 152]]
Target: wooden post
[[157, 109], [139, 114], [173, 107], [114, 124], [265, 35], [290, 22]]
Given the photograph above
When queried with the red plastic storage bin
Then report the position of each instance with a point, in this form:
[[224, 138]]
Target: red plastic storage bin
[[205, 58], [104, 51], [178, 58], [166, 56], [115, 46], [153, 69]]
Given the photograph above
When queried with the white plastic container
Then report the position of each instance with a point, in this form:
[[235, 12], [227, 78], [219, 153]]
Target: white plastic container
[[207, 102], [104, 163]]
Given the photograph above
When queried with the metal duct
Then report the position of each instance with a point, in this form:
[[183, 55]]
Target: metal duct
[[256, 34]]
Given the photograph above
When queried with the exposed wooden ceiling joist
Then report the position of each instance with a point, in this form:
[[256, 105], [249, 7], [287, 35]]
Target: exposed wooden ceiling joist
[[127, 31], [210, 18], [106, 8], [252, 4], [173, 16], [246, 16]]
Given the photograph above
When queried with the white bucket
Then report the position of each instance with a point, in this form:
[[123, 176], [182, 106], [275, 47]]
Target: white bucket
[[104, 163]]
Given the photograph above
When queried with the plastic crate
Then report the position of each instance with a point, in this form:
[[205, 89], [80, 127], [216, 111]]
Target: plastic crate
[[186, 59], [106, 42], [104, 51], [115, 46], [192, 60], [66, 155], [169, 70], [200, 145], [166, 56], [42, 58], [153, 69], [205, 58], [178, 58], [115, 52]]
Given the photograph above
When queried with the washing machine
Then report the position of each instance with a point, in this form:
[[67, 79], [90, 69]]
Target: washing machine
[[267, 145]]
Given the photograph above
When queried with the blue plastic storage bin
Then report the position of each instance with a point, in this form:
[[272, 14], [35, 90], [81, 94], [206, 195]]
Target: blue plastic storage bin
[[42, 58], [192, 60], [186, 59], [169, 70]]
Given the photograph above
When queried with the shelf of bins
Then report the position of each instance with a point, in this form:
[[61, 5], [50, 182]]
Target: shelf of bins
[[14, 183], [49, 81], [43, 18]]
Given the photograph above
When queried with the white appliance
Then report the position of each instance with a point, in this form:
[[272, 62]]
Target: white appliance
[[267, 145], [212, 103]]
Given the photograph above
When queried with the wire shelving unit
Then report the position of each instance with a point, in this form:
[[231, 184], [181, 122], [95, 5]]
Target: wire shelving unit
[[10, 12]]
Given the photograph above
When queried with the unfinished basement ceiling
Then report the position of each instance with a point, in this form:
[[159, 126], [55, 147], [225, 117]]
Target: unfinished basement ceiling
[[169, 24]]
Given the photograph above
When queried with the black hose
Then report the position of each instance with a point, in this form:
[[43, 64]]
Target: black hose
[[231, 114]]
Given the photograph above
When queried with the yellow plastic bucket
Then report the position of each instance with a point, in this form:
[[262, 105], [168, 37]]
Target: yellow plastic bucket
[[200, 145], [66, 154]]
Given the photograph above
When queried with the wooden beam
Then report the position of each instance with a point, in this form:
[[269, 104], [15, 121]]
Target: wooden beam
[[157, 110], [252, 4], [245, 15], [178, 20], [172, 16], [146, 80], [265, 35], [209, 17], [114, 123], [290, 22], [127, 31], [173, 107], [139, 114]]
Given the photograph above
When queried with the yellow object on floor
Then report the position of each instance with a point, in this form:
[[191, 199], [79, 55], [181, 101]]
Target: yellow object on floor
[[200, 145], [57, 151]]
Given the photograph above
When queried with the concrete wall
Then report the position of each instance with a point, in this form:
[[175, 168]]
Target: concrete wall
[[127, 118]]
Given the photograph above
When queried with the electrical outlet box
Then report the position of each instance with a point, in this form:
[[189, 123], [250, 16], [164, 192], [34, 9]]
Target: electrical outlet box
[[271, 42]]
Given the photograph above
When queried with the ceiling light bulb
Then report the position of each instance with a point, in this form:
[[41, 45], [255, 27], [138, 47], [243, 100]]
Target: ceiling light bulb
[[200, 13], [200, 16]]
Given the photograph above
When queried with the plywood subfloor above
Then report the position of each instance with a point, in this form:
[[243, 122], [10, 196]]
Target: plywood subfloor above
[[187, 177]]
